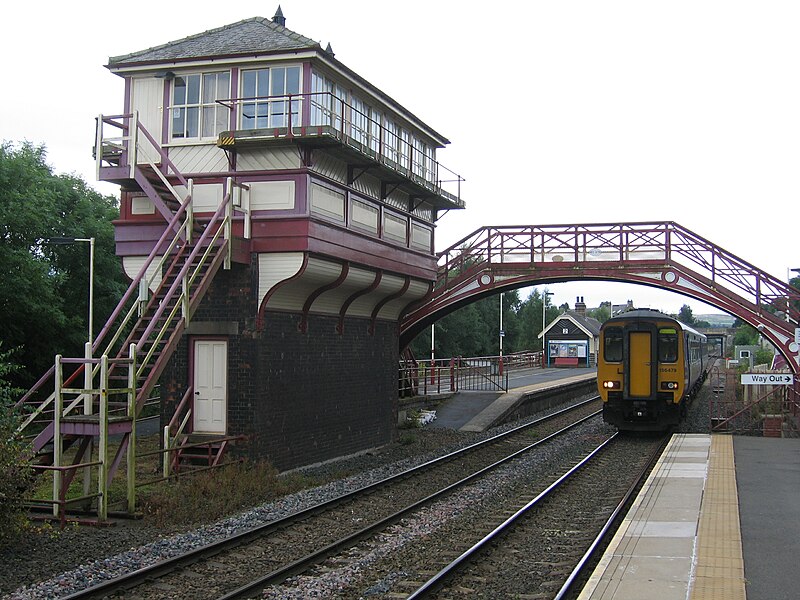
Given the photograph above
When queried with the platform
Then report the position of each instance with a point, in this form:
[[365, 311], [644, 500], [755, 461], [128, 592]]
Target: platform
[[478, 411], [692, 535]]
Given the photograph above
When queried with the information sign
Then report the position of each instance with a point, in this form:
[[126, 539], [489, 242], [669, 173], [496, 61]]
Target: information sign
[[767, 379]]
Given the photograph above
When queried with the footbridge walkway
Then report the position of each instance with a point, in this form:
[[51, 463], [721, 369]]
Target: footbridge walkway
[[658, 254]]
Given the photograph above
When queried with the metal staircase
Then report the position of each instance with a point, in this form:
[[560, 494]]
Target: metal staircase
[[76, 401]]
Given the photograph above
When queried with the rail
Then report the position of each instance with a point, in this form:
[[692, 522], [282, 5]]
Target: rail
[[326, 114], [479, 373], [655, 242]]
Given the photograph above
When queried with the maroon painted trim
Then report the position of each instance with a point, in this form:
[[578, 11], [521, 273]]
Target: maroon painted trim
[[166, 102], [262, 309], [234, 92], [128, 90], [306, 122], [353, 297], [303, 325], [384, 302]]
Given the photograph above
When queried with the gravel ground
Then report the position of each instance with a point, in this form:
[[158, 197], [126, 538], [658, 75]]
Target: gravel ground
[[68, 560], [64, 562]]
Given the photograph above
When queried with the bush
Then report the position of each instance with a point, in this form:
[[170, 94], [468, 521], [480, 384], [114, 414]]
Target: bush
[[209, 495], [16, 476]]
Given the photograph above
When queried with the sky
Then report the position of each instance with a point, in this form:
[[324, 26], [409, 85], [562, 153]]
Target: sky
[[557, 112]]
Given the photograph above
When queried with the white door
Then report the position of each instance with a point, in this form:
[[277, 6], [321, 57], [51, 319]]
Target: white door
[[147, 97], [210, 386]]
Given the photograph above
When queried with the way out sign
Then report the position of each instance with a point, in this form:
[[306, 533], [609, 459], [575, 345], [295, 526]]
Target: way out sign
[[767, 378]]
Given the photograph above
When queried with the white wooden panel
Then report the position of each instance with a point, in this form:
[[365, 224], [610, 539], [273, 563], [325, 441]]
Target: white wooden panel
[[416, 290], [421, 237], [294, 294], [147, 96], [198, 158], [272, 195], [205, 197], [330, 168], [274, 268], [332, 301], [364, 216], [394, 227], [268, 159], [327, 202], [364, 305], [368, 186], [133, 264], [210, 386], [142, 205]]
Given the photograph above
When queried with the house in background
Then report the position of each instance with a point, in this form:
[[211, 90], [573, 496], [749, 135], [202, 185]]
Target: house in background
[[571, 339]]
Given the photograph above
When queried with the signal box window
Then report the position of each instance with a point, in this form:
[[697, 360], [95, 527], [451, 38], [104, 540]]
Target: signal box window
[[667, 345], [195, 112], [612, 344], [266, 93]]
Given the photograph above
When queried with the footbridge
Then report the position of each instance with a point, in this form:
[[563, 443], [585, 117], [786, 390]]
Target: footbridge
[[659, 254]]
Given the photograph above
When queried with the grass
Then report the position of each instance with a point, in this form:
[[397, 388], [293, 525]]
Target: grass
[[191, 499]]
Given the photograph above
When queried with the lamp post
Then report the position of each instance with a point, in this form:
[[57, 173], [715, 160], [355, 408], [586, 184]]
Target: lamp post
[[544, 321], [502, 333]]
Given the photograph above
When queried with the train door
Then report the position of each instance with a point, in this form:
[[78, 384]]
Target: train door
[[641, 361]]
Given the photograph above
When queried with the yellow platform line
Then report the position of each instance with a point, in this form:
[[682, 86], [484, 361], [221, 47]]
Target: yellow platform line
[[719, 566]]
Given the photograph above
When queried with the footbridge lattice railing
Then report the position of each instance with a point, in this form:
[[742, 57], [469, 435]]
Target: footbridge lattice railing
[[660, 254]]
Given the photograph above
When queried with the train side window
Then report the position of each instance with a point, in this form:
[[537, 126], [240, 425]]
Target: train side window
[[612, 344], [667, 345]]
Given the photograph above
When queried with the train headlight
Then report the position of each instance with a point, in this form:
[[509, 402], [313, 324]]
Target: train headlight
[[612, 385], [669, 385]]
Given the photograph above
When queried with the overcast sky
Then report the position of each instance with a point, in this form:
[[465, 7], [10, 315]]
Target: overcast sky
[[557, 112]]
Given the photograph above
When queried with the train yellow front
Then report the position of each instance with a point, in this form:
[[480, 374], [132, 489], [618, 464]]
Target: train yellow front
[[649, 368]]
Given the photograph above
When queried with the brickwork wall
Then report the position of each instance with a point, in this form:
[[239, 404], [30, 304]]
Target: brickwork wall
[[300, 398]]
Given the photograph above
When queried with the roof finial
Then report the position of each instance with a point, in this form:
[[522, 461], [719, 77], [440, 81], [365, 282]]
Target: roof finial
[[329, 50], [279, 19]]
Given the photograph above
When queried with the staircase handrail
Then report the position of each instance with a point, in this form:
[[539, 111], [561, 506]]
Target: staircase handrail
[[179, 281], [134, 285], [99, 339], [161, 152]]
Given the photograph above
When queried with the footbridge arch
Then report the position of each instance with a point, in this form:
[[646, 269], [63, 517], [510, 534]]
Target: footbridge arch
[[658, 254]]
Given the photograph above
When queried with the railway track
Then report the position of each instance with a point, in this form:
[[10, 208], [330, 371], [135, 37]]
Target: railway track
[[291, 545], [544, 546]]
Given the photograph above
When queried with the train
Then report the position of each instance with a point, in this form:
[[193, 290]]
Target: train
[[650, 366]]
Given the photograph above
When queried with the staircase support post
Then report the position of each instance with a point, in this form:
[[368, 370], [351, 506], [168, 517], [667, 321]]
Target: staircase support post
[[228, 234], [190, 211], [131, 457], [185, 298], [58, 407], [88, 402], [133, 143], [165, 459], [102, 475]]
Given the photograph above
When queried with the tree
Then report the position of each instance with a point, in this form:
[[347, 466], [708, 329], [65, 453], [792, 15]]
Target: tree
[[602, 313], [16, 476], [473, 330], [44, 288]]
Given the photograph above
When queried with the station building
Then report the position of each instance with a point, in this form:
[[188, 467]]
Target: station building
[[571, 339]]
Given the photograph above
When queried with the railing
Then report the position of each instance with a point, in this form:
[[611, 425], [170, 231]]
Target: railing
[[174, 430], [217, 233], [323, 113], [656, 243], [768, 410], [481, 373], [63, 474]]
